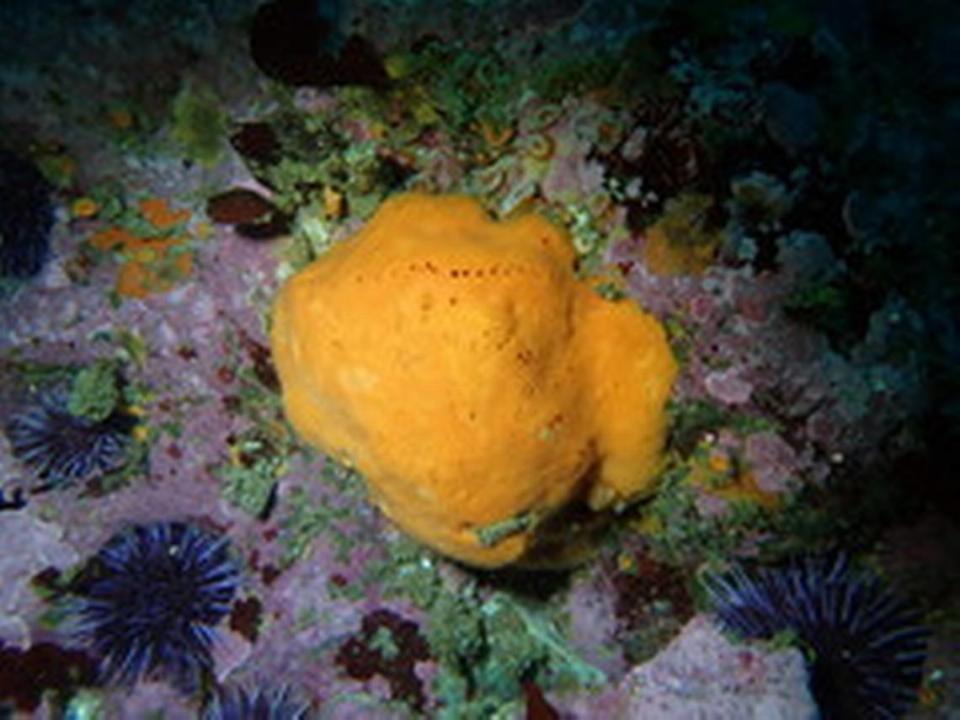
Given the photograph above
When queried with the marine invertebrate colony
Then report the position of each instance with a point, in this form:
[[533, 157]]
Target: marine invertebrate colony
[[149, 602], [867, 646], [61, 446], [152, 262], [26, 217], [479, 386]]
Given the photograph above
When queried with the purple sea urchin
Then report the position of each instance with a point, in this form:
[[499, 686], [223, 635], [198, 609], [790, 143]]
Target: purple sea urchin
[[60, 446], [150, 599], [866, 646], [237, 703], [26, 216]]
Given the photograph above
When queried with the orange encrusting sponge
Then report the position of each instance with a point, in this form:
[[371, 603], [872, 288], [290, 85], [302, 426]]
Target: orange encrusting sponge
[[461, 366]]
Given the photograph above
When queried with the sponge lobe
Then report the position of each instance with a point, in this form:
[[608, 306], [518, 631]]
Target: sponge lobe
[[462, 367]]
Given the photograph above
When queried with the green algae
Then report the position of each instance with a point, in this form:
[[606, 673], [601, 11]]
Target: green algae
[[305, 519], [492, 534], [486, 643], [85, 705], [689, 420], [680, 534], [488, 647], [33, 375], [384, 643], [199, 124], [95, 391], [249, 480]]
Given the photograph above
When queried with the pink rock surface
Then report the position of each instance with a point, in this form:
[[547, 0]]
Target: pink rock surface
[[703, 675]]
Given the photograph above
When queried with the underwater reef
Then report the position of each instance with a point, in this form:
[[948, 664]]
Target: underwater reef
[[866, 645], [460, 359]]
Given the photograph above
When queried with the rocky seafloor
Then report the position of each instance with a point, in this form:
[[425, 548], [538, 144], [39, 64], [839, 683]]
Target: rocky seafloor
[[770, 180]]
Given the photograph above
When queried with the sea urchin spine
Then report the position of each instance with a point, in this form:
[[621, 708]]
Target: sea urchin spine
[[151, 598], [238, 703], [62, 447], [865, 646]]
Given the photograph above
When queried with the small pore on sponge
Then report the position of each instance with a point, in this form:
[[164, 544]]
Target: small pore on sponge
[[479, 386]]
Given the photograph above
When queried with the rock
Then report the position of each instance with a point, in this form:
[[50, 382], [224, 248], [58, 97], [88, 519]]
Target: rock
[[703, 674]]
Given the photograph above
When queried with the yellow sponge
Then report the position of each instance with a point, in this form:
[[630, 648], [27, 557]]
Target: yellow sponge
[[461, 366]]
